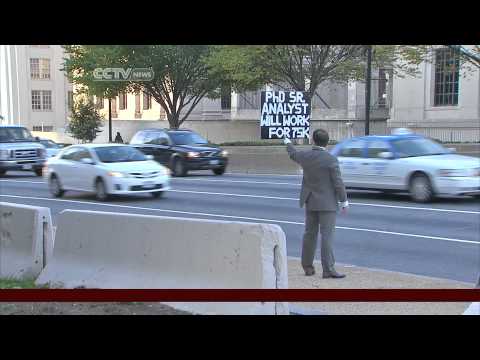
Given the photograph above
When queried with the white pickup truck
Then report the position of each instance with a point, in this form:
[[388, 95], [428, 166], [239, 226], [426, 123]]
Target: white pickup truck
[[19, 150]]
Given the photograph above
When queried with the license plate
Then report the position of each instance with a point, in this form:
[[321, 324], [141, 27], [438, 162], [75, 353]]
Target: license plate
[[27, 167], [149, 185], [214, 162]]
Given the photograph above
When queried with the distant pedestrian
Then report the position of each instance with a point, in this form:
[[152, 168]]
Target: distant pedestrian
[[322, 193], [118, 138]]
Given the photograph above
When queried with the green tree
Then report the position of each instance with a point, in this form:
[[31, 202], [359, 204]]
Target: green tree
[[298, 67], [85, 122], [182, 77], [79, 65], [183, 74]]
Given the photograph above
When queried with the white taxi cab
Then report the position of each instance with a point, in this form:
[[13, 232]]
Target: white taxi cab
[[110, 169], [405, 161]]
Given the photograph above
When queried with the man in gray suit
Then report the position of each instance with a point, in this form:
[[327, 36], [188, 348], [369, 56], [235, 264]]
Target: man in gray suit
[[323, 193]]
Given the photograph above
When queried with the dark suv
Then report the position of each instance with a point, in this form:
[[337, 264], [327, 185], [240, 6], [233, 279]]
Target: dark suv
[[181, 150]]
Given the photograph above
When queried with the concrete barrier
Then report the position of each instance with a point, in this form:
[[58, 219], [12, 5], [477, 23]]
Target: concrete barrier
[[473, 309], [26, 240], [111, 250]]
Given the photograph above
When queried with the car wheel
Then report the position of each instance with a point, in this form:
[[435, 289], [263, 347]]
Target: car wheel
[[179, 168], [39, 172], [421, 189], [219, 171], [55, 186], [3, 172], [101, 190], [157, 194]]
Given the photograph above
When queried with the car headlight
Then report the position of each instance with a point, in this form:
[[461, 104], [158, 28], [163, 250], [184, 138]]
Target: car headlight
[[117, 174], [193, 154], [453, 173], [224, 153], [42, 153], [4, 154]]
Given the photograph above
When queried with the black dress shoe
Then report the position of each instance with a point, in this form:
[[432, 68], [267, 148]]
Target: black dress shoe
[[309, 272], [333, 275]]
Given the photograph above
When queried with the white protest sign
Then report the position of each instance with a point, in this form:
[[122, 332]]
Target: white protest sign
[[285, 114]]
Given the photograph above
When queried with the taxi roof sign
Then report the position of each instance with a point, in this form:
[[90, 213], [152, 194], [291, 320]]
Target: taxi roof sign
[[402, 131]]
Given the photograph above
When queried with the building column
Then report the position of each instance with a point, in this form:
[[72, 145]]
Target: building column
[[138, 113], [352, 100]]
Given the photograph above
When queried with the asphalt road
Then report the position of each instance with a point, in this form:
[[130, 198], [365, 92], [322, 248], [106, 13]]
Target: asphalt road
[[380, 231]]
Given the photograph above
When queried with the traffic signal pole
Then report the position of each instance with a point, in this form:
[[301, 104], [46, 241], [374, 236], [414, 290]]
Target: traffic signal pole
[[109, 120], [368, 88]]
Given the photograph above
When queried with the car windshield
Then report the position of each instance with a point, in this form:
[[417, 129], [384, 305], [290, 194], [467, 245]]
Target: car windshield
[[116, 154], [187, 138], [13, 134], [417, 147]]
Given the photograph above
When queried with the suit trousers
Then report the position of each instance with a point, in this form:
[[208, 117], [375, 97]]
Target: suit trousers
[[326, 220]]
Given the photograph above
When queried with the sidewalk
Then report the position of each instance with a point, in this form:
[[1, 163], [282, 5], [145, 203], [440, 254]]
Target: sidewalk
[[364, 278]]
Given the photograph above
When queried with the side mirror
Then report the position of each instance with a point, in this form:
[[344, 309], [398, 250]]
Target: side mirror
[[87, 161], [149, 157], [452, 149], [385, 155]]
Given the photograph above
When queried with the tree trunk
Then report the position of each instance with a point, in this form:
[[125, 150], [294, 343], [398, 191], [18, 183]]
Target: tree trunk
[[173, 120]]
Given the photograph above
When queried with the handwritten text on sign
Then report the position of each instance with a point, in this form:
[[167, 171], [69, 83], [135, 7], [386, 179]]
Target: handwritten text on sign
[[285, 114]]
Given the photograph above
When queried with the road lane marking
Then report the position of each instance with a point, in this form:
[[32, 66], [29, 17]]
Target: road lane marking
[[235, 195], [23, 181], [239, 181], [256, 174], [296, 199], [243, 218]]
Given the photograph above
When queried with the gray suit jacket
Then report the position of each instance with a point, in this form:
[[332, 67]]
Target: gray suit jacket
[[322, 184]]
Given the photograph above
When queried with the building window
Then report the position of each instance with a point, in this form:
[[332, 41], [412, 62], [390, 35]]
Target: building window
[[226, 99], [42, 128], [447, 74], [39, 68], [36, 100], [99, 104], [35, 68], [47, 100], [122, 101], [44, 68], [147, 101], [41, 100]]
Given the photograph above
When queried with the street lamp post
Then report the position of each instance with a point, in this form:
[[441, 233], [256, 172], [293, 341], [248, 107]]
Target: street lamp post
[[109, 120], [368, 88]]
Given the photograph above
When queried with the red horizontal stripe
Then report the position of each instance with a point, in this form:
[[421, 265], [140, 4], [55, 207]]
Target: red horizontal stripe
[[240, 295]]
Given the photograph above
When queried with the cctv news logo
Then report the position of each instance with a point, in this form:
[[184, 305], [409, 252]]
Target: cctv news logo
[[120, 74]]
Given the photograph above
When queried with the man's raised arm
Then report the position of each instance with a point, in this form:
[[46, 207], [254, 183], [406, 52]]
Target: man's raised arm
[[295, 155]]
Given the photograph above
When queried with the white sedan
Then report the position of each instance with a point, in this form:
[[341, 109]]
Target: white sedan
[[407, 162], [108, 169]]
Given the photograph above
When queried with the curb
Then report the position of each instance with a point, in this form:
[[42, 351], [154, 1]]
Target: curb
[[297, 310]]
